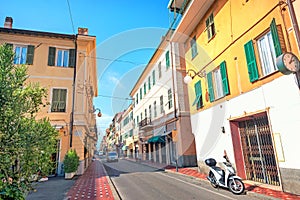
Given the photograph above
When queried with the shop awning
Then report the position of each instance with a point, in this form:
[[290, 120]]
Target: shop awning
[[156, 139]]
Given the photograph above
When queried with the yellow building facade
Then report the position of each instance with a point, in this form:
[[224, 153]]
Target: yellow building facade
[[241, 103], [52, 59]]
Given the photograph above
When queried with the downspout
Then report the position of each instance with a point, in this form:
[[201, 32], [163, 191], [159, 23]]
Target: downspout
[[73, 94], [294, 22], [297, 34], [173, 81]]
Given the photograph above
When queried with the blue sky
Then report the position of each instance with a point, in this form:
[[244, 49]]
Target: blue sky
[[127, 33]]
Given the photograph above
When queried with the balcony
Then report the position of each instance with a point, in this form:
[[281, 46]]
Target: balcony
[[145, 124]]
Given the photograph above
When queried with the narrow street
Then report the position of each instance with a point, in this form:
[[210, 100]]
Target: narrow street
[[134, 181]]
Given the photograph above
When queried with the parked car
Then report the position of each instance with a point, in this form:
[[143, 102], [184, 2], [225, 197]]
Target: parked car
[[112, 156]]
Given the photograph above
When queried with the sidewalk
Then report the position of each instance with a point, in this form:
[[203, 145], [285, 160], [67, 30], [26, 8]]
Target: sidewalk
[[250, 188], [93, 185]]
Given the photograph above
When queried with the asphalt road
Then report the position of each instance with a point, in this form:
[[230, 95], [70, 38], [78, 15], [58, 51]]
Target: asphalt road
[[134, 181]]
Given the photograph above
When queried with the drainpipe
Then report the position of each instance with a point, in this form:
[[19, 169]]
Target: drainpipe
[[297, 34], [294, 22], [73, 95]]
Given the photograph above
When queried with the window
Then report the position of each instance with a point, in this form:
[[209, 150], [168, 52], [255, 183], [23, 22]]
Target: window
[[137, 120], [167, 60], [146, 113], [170, 98], [199, 99], [23, 54], [267, 54], [161, 104], [145, 89], [269, 46], [141, 93], [217, 82], [137, 98], [61, 57], [159, 70], [154, 109], [210, 26], [194, 47], [153, 76], [150, 112], [58, 103], [141, 116]]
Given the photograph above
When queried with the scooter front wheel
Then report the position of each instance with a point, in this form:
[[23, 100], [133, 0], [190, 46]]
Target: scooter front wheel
[[236, 186], [213, 181]]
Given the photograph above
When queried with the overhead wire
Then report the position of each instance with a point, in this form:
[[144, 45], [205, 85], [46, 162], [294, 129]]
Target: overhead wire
[[71, 17], [116, 60]]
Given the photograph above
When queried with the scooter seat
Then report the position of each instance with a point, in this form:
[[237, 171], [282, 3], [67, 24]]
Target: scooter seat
[[219, 170]]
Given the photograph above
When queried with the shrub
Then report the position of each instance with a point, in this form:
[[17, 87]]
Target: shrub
[[71, 161]]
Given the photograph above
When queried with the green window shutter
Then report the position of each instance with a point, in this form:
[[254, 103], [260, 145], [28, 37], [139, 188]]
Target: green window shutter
[[210, 87], [167, 59], [72, 58], [198, 91], [153, 75], [10, 45], [275, 38], [251, 61], [224, 78], [51, 56], [30, 54], [149, 83]]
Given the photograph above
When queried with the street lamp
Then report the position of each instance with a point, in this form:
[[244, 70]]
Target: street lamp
[[190, 75], [94, 110]]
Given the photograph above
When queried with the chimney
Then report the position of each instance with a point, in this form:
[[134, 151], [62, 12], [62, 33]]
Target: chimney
[[8, 22], [83, 31]]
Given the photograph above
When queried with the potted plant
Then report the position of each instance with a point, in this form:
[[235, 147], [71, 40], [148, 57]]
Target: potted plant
[[71, 163]]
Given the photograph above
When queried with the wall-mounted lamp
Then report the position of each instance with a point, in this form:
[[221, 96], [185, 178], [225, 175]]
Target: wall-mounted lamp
[[223, 129], [190, 75], [94, 110]]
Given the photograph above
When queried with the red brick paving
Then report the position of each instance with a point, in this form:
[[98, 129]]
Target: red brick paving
[[93, 184]]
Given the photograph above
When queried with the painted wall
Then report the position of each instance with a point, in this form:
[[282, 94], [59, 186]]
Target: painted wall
[[62, 77], [236, 23]]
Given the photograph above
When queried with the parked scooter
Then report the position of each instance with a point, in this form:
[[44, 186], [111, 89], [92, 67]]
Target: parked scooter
[[226, 178]]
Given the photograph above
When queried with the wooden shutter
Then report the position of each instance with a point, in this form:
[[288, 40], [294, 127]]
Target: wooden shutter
[[198, 92], [72, 58], [224, 78], [251, 61], [30, 54], [51, 56], [10, 45], [210, 87], [275, 38], [167, 59]]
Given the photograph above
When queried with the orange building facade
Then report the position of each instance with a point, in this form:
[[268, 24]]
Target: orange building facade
[[65, 65]]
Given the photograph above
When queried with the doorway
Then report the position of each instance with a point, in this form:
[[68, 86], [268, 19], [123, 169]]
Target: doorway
[[258, 150]]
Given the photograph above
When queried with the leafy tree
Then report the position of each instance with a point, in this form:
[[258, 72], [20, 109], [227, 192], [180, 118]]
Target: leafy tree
[[26, 144]]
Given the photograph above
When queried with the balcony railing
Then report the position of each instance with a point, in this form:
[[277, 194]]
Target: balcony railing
[[145, 123]]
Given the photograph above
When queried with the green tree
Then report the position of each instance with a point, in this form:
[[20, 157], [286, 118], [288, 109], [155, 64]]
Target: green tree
[[71, 161], [26, 144]]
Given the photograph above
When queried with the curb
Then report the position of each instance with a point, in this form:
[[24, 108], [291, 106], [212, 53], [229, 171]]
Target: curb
[[111, 185]]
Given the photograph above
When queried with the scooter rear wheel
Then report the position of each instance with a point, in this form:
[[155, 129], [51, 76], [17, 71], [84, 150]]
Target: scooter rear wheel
[[236, 186], [214, 180]]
